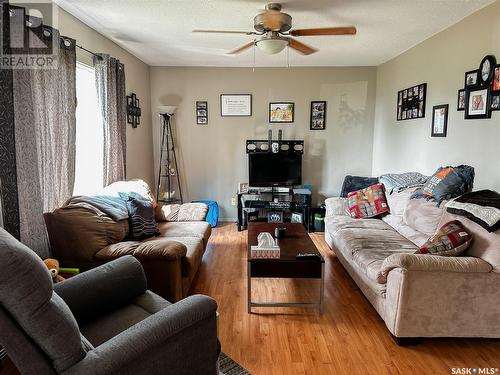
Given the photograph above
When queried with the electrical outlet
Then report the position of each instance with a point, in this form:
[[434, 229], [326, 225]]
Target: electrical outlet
[[233, 201]]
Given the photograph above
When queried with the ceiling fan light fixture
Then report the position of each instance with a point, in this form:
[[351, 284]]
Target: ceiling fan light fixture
[[272, 46]]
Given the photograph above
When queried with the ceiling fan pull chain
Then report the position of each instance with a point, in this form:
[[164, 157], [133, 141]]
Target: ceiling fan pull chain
[[288, 56]]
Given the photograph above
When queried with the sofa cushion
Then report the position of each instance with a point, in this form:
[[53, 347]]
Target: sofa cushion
[[197, 229], [398, 201], [339, 222], [485, 245], [423, 216], [78, 231], [194, 253], [109, 325], [451, 239], [151, 248], [368, 248], [397, 222], [353, 183], [368, 202]]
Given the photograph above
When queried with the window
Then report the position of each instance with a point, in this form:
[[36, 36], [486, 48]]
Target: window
[[89, 134]]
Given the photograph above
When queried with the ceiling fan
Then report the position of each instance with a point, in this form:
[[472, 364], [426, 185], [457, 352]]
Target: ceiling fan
[[273, 28]]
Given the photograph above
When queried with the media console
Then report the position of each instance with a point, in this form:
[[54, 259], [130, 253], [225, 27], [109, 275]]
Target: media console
[[257, 204]]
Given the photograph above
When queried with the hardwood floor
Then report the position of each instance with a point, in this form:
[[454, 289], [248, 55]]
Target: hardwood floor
[[349, 338]]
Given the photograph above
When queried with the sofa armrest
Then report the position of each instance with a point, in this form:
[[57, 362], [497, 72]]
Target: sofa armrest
[[337, 206], [103, 289], [432, 263], [180, 339]]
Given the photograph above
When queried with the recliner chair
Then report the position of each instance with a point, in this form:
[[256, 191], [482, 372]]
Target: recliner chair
[[103, 321]]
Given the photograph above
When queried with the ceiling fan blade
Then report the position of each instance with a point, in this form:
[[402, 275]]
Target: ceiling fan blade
[[301, 47], [344, 30], [242, 48], [225, 32]]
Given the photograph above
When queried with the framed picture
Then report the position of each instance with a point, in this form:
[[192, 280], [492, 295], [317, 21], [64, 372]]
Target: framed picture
[[439, 120], [486, 69], [133, 110], [318, 115], [281, 112], [275, 217], [461, 100], [236, 105], [496, 79], [495, 103], [202, 113], [477, 103], [411, 102], [471, 79]]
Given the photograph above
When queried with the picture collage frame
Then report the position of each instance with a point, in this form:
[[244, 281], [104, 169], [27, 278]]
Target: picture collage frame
[[480, 95], [202, 113], [411, 102]]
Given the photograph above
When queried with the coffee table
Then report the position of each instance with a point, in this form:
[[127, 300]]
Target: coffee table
[[288, 266]]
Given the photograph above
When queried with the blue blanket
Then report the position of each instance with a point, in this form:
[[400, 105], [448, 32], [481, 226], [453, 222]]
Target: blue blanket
[[114, 207]]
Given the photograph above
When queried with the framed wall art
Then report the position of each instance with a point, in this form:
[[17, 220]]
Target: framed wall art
[[495, 102], [477, 103], [318, 115], [411, 102], [471, 79], [496, 79], [236, 105], [281, 112], [202, 112], [486, 69], [439, 121], [133, 110], [461, 100]]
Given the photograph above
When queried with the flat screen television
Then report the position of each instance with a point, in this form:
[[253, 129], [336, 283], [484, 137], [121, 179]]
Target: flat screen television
[[270, 169]]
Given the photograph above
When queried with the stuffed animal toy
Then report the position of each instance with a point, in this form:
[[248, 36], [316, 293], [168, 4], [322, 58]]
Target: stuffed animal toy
[[53, 267]]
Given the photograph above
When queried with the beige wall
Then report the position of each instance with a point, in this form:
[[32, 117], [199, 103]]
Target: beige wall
[[441, 61], [139, 151], [213, 158]]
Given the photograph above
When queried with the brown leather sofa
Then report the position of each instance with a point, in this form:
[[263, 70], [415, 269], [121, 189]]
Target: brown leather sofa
[[82, 236]]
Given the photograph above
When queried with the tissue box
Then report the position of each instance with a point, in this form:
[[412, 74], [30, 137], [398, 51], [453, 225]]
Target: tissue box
[[263, 253]]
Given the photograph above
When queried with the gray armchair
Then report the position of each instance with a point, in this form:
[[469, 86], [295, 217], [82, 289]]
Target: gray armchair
[[103, 321]]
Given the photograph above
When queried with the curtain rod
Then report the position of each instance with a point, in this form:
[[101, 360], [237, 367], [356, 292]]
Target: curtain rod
[[88, 51]]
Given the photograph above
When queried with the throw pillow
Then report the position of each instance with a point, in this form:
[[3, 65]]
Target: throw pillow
[[142, 221], [369, 202], [451, 239], [447, 183], [396, 182]]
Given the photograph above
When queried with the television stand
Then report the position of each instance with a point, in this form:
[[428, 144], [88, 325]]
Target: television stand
[[276, 199]]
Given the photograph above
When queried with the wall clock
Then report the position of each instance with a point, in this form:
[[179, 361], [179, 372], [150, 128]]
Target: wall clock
[[486, 69]]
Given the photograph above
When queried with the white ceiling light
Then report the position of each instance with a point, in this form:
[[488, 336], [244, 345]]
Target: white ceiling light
[[272, 45]]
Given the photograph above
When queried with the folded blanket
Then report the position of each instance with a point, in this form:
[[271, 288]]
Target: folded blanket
[[395, 182], [114, 207], [482, 207]]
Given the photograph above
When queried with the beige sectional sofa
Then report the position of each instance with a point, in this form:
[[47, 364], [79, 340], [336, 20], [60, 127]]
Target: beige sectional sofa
[[83, 236], [419, 295]]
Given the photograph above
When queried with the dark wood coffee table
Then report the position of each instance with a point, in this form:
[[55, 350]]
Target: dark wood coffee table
[[296, 241]]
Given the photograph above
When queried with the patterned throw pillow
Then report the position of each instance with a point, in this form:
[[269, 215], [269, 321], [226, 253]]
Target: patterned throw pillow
[[369, 202], [141, 216], [451, 239]]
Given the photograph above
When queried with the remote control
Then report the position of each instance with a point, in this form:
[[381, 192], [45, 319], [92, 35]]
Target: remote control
[[307, 256]]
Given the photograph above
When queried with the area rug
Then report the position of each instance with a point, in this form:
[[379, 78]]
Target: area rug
[[229, 367]]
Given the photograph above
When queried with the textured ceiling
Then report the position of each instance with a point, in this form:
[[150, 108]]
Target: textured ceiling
[[159, 31]]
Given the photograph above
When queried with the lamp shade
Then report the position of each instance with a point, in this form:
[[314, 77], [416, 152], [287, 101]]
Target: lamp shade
[[167, 109], [272, 46]]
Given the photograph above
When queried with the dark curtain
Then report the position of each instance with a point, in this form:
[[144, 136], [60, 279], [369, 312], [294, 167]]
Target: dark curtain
[[45, 129], [8, 178], [110, 83]]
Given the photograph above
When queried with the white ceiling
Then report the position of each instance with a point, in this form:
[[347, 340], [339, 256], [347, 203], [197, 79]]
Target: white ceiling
[[159, 31]]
